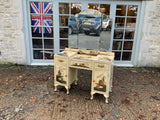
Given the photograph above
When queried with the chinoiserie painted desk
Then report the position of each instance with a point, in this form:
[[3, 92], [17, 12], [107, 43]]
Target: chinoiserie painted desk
[[67, 62]]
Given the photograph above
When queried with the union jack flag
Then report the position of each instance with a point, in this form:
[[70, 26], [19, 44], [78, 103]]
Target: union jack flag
[[39, 20]]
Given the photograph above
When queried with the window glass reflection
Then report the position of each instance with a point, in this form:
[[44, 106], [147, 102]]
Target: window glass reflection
[[118, 33], [63, 44], [48, 54], [129, 34], [63, 8], [48, 32], [37, 43], [48, 43], [119, 22], [128, 45], [132, 10], [105, 9], [63, 20], [126, 56], [117, 56], [63, 32], [36, 31], [37, 54], [75, 8], [121, 10], [117, 45], [93, 6], [131, 23]]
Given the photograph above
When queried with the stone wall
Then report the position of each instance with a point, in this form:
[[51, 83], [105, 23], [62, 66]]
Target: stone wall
[[12, 47], [149, 54]]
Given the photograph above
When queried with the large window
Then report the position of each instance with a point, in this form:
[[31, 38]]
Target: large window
[[42, 32], [124, 32]]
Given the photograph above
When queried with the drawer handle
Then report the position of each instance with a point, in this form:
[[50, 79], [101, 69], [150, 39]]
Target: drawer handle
[[61, 60], [101, 66]]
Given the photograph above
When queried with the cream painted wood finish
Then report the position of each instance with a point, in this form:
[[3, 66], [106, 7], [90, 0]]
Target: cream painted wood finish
[[101, 64]]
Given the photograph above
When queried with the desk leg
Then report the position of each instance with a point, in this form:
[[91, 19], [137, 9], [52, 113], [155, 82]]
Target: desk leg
[[106, 98], [91, 96], [67, 88], [55, 88], [76, 76]]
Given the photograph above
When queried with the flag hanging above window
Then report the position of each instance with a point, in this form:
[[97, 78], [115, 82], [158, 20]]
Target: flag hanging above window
[[41, 18]]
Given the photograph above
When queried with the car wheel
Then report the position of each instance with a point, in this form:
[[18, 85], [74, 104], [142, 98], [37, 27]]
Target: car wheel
[[70, 31], [86, 32]]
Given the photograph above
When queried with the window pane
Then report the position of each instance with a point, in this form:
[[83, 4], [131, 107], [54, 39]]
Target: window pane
[[129, 34], [93, 6], [36, 20], [47, 20], [118, 33], [63, 32], [36, 7], [48, 43], [132, 10], [49, 54], [119, 22], [47, 8], [36, 31], [63, 20], [37, 43], [63, 44], [128, 45], [63, 8], [126, 56], [117, 45], [37, 54], [117, 56], [121, 10], [75, 8], [131, 23], [48, 31], [105, 9]]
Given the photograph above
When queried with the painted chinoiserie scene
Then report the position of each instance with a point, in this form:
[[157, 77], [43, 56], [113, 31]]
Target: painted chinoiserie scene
[[100, 85], [60, 74]]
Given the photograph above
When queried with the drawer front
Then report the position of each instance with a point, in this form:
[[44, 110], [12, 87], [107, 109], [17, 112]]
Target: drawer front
[[60, 60], [82, 64], [61, 74], [99, 65]]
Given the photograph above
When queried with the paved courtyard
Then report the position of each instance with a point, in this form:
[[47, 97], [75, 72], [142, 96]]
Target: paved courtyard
[[27, 93]]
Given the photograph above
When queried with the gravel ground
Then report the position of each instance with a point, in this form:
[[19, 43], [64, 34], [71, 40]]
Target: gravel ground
[[27, 93]]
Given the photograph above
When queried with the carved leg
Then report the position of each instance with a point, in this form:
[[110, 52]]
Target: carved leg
[[67, 88], [91, 96], [55, 88], [106, 96], [107, 100]]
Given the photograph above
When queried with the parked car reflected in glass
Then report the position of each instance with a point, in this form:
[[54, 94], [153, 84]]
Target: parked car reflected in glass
[[73, 25], [107, 24], [92, 24]]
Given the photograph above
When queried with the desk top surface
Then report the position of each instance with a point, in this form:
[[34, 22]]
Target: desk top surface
[[87, 55]]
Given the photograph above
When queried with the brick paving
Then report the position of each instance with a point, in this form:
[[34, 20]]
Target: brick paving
[[27, 93]]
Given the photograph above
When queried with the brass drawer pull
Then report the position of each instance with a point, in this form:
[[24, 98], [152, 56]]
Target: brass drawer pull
[[61, 60]]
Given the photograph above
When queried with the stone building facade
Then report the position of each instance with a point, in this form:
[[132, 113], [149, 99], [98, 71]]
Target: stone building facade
[[13, 44]]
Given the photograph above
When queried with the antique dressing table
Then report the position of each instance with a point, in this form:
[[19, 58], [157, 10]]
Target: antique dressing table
[[101, 63]]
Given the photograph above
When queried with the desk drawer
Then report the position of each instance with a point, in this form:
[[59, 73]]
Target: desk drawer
[[99, 65], [60, 60], [82, 64]]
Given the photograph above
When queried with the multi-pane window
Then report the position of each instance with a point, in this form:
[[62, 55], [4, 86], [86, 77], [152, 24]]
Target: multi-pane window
[[124, 31], [42, 32], [66, 11]]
